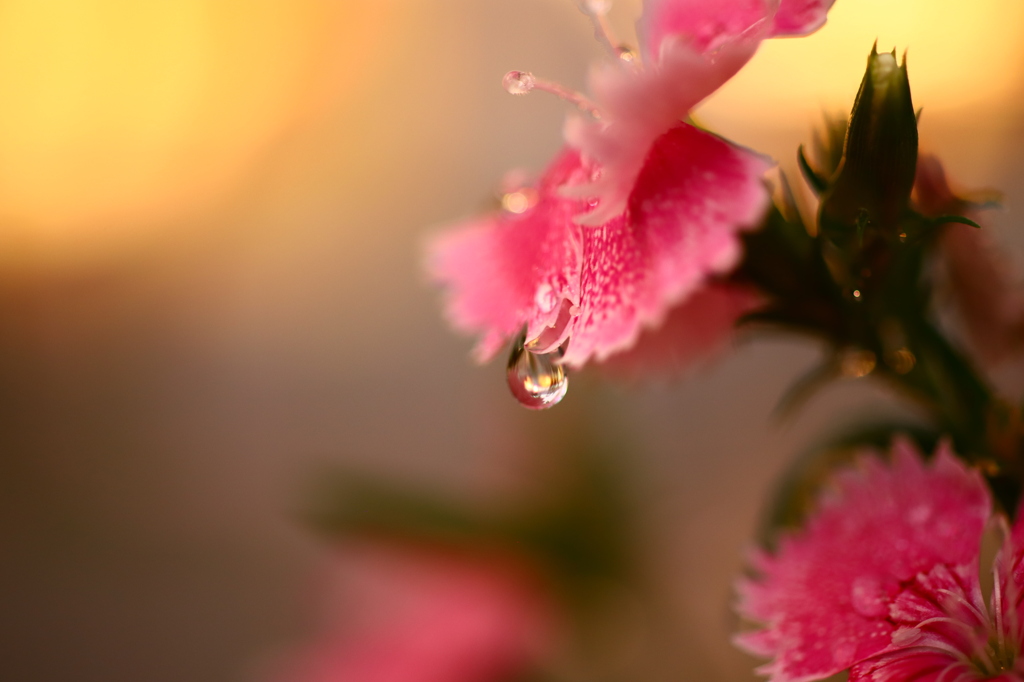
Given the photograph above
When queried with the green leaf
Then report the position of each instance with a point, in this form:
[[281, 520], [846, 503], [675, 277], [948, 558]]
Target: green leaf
[[804, 388]]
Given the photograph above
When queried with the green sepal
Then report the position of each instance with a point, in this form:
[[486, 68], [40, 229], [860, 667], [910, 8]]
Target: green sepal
[[817, 183], [880, 154]]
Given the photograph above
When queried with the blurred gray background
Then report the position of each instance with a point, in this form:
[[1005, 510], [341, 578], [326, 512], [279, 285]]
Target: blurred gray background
[[182, 350]]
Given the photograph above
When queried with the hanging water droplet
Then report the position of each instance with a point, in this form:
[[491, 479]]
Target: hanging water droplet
[[518, 82], [536, 380]]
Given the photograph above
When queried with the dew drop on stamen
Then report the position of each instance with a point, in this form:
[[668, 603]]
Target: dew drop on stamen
[[536, 380], [626, 53], [518, 82]]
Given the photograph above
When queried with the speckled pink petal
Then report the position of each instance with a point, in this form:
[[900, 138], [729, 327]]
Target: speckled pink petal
[[506, 270], [693, 332], [800, 17], [693, 197], [826, 595], [914, 665], [704, 24], [638, 106]]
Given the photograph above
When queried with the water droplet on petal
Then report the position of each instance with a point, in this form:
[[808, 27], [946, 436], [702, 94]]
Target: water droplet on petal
[[545, 297], [869, 598], [518, 82], [537, 381], [906, 636]]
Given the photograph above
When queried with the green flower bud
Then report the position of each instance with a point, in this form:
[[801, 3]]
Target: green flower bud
[[871, 188]]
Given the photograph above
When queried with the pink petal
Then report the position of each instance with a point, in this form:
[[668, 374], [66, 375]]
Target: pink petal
[[924, 665], [637, 107], [693, 331], [800, 17], [506, 270], [704, 24], [826, 593], [694, 196]]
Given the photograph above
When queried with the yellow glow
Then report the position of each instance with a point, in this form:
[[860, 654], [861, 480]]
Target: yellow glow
[[960, 54], [118, 113]]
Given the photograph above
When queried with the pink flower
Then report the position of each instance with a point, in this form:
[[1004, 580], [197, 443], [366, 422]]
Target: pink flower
[[690, 49], [883, 581], [415, 615], [664, 201]]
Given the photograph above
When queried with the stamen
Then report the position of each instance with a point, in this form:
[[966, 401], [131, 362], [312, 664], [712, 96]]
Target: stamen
[[948, 621], [597, 11], [522, 82], [982, 617]]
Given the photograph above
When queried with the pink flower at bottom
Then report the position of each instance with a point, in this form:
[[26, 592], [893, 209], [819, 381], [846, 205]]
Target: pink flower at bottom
[[883, 581], [416, 615]]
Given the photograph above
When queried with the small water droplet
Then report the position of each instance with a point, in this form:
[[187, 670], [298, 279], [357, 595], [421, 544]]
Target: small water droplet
[[856, 294], [519, 201], [518, 82], [868, 597], [855, 363], [626, 53], [536, 380], [545, 297], [595, 8], [901, 360], [989, 467], [906, 636]]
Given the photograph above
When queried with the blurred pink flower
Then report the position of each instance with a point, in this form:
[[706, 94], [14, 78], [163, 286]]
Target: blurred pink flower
[[987, 294], [884, 581], [418, 615], [664, 201]]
